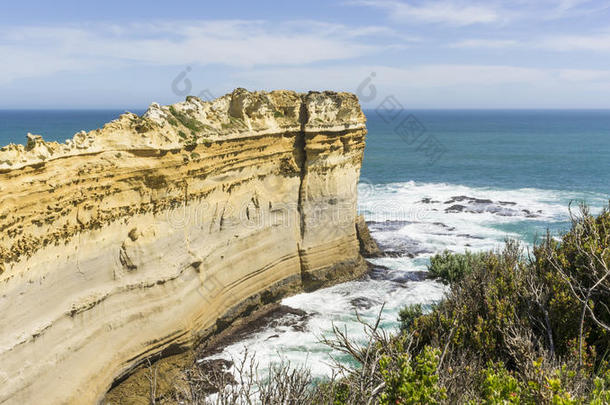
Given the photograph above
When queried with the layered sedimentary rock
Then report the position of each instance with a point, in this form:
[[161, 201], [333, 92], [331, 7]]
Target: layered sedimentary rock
[[153, 232]]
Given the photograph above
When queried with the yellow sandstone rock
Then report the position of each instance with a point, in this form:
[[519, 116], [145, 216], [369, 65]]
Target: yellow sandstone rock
[[154, 232]]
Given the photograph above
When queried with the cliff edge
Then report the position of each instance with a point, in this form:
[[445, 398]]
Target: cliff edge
[[156, 231]]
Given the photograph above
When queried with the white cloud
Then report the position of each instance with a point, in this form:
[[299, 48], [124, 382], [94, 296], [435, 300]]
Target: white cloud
[[574, 8], [447, 85], [454, 75], [440, 11], [485, 43], [585, 75], [417, 78], [557, 43], [39, 51], [465, 13], [308, 54], [596, 43]]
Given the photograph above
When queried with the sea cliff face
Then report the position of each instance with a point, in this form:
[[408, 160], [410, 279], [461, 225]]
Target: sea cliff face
[[154, 232]]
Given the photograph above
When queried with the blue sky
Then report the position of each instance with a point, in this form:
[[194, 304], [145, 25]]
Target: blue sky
[[428, 54]]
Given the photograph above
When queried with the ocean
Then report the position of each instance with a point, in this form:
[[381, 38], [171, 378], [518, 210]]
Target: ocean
[[431, 180]]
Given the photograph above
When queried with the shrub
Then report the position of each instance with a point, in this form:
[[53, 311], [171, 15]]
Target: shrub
[[408, 315], [499, 386], [480, 308], [601, 392], [540, 321], [411, 382], [190, 123], [581, 262], [451, 267], [172, 121]]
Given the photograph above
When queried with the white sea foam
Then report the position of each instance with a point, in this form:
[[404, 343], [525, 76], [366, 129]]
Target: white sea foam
[[414, 228], [403, 201], [336, 305], [479, 226]]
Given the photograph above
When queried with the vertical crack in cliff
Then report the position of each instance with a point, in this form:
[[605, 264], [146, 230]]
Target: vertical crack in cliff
[[300, 157]]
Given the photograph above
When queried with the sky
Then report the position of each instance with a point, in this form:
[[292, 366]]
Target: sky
[[422, 54]]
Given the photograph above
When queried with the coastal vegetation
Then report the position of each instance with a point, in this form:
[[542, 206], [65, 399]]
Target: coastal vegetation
[[515, 327], [191, 123]]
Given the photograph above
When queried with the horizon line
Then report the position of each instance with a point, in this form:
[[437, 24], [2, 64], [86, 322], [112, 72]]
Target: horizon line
[[115, 109]]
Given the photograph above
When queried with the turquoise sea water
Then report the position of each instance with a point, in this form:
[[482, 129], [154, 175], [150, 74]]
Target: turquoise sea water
[[558, 155], [452, 180], [56, 125], [561, 150]]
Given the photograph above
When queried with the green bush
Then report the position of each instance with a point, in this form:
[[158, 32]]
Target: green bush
[[601, 392], [480, 306], [524, 316], [408, 315], [582, 258], [172, 121], [190, 123], [411, 382], [451, 267], [499, 386]]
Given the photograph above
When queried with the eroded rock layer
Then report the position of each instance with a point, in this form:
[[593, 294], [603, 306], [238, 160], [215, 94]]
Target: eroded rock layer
[[153, 232]]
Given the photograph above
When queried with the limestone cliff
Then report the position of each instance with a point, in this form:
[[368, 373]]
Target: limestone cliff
[[153, 232]]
